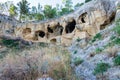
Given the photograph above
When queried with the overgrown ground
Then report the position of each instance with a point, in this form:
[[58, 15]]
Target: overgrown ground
[[37, 61], [98, 58]]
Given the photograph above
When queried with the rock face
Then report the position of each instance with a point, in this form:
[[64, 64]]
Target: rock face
[[7, 25], [96, 52], [83, 23]]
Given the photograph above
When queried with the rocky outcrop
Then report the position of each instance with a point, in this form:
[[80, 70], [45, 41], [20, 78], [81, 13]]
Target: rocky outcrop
[[85, 22], [94, 52], [7, 25]]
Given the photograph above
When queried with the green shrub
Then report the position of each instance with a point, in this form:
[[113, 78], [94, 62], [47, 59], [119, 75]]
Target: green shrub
[[101, 68], [78, 5], [10, 43], [117, 60], [112, 37], [98, 36], [75, 52], [77, 61], [116, 41], [87, 1], [117, 29], [78, 39], [98, 50], [42, 44]]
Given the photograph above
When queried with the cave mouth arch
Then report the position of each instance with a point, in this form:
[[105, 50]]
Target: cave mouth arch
[[26, 31], [40, 33], [70, 26], [49, 30], [56, 29], [82, 19]]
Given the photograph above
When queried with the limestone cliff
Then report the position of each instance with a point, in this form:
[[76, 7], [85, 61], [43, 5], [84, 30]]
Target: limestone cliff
[[85, 22]]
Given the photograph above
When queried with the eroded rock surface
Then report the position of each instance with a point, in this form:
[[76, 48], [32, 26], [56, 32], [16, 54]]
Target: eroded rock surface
[[85, 22]]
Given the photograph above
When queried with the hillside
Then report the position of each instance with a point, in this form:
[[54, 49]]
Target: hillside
[[83, 45]]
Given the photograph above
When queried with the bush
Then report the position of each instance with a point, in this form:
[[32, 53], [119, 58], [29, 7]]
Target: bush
[[78, 39], [112, 37], [101, 68], [116, 41], [77, 61], [9, 43], [117, 60], [97, 37], [36, 63], [75, 52], [98, 50]]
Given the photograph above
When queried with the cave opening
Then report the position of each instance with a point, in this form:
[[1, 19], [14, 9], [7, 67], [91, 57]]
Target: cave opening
[[61, 30], [49, 29], [82, 19], [70, 26], [40, 33]]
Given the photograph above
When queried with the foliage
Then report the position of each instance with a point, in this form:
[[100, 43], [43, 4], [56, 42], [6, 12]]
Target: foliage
[[68, 7], [112, 37], [10, 43], [87, 1], [75, 52], [49, 11], [34, 9], [13, 10], [77, 61], [24, 12], [68, 4], [23, 8], [37, 63], [117, 60], [65, 11], [78, 5], [116, 41], [78, 39], [98, 36], [101, 68], [98, 50], [39, 16], [4, 7]]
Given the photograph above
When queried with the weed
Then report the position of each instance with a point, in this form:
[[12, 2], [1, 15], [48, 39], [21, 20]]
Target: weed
[[77, 61], [117, 60]]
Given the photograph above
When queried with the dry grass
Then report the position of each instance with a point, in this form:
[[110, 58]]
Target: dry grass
[[35, 63], [112, 51]]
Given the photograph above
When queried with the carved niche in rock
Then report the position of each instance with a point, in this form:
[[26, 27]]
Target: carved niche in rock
[[54, 29]]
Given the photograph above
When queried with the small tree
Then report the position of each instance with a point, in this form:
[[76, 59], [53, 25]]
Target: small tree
[[13, 10], [23, 8], [49, 11], [68, 4], [39, 16], [101, 68], [117, 60]]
